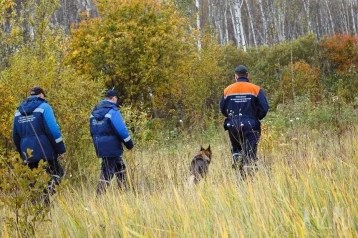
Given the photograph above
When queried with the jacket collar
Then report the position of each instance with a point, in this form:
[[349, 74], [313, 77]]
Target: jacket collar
[[35, 97], [242, 79], [107, 102]]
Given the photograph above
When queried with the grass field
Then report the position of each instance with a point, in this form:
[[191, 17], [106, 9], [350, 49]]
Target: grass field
[[306, 187]]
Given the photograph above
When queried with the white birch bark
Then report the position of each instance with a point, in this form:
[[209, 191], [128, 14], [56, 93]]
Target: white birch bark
[[251, 23], [234, 26], [197, 5], [306, 5], [320, 21], [237, 4], [344, 15], [276, 23], [264, 22], [353, 18], [330, 17], [225, 23], [282, 18]]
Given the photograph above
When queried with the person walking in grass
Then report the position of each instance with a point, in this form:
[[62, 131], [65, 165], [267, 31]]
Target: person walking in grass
[[109, 132], [243, 104], [37, 136]]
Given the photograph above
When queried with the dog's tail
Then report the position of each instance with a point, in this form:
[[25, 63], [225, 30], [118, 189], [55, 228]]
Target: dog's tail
[[192, 180]]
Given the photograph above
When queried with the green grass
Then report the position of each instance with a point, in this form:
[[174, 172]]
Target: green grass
[[306, 187]]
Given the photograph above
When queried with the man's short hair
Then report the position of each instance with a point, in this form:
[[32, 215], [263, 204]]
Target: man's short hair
[[36, 91]]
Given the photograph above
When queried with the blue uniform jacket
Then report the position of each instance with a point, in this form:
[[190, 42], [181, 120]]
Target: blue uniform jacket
[[244, 104], [108, 130], [35, 131]]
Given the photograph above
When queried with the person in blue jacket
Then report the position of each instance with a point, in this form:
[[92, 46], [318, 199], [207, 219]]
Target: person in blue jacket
[[37, 135], [243, 104], [109, 132]]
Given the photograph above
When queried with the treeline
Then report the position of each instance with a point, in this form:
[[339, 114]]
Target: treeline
[[145, 50], [258, 22], [245, 23]]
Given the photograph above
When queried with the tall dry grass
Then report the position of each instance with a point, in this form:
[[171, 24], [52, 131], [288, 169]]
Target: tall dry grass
[[306, 187]]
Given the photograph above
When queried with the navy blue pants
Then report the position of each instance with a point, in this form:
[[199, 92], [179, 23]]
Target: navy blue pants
[[244, 144], [55, 170], [110, 167]]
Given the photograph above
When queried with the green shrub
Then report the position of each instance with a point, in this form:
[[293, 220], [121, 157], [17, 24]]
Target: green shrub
[[22, 195]]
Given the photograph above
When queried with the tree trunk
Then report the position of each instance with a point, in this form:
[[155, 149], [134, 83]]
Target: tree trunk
[[306, 5], [344, 15], [225, 23], [264, 22], [330, 20], [238, 22], [234, 26], [251, 23], [197, 5], [353, 18]]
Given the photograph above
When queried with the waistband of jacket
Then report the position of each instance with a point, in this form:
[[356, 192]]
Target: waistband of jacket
[[243, 116]]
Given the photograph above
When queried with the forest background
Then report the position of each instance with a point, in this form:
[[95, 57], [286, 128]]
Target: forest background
[[170, 61]]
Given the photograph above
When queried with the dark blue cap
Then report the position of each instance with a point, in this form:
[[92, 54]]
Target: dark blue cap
[[111, 93], [241, 69]]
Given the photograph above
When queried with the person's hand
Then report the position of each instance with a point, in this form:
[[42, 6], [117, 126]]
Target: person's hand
[[61, 155]]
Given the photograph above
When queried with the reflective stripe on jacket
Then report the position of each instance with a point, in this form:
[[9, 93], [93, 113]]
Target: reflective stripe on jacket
[[35, 132], [108, 130], [244, 102]]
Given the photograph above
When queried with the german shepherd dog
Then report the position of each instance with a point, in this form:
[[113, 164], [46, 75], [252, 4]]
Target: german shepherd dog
[[200, 165]]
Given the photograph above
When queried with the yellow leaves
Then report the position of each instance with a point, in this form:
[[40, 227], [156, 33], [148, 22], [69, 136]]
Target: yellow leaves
[[7, 102], [28, 153], [15, 31], [6, 6], [134, 46], [75, 53]]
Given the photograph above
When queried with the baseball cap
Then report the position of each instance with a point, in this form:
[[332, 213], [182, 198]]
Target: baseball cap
[[111, 93], [36, 91], [241, 69]]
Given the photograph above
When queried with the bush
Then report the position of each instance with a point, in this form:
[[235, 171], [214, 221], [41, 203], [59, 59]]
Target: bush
[[22, 194]]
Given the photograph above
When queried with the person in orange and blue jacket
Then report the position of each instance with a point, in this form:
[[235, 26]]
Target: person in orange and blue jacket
[[109, 132], [37, 136], [243, 104]]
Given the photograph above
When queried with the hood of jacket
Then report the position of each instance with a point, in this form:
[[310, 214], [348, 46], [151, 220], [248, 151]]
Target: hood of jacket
[[28, 106], [101, 109]]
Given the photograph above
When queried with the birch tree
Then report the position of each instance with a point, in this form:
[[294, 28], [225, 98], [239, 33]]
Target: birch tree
[[264, 22], [251, 22], [330, 21], [353, 15], [225, 22], [255, 22], [237, 4], [306, 6], [198, 27]]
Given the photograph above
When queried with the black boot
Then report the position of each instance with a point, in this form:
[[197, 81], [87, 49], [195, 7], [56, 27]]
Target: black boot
[[121, 176], [236, 160]]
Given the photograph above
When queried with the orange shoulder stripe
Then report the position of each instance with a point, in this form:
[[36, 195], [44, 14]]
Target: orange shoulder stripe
[[242, 88]]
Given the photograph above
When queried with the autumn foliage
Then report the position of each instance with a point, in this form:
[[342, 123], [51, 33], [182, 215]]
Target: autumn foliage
[[341, 52], [301, 79], [136, 46], [146, 51]]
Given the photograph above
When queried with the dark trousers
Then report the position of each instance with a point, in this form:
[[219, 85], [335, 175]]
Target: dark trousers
[[244, 145], [55, 170], [110, 167]]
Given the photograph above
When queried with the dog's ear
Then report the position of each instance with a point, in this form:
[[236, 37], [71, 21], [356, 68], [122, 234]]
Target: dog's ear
[[201, 148], [208, 148]]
